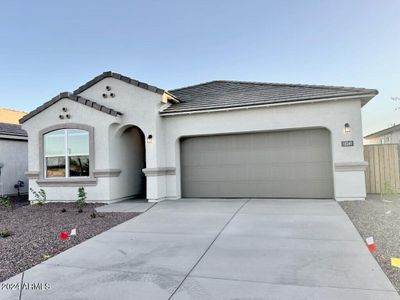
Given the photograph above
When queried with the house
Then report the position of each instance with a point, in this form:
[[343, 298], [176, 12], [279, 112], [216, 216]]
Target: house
[[121, 138], [389, 135], [10, 116], [13, 159]]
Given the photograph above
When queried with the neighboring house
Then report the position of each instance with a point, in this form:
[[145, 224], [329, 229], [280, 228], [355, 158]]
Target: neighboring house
[[13, 158], [389, 135], [121, 138], [10, 116]]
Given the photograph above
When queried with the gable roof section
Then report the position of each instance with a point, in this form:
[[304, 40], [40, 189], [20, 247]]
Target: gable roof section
[[12, 129], [72, 97], [222, 94], [383, 132], [123, 78]]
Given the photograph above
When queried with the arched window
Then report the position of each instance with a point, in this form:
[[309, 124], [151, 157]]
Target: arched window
[[66, 153]]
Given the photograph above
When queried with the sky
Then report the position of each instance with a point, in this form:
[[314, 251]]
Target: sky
[[47, 47]]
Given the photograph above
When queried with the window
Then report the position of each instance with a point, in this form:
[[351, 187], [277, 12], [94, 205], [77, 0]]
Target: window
[[66, 153]]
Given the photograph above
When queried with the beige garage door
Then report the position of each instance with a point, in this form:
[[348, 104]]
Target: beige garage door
[[285, 164]]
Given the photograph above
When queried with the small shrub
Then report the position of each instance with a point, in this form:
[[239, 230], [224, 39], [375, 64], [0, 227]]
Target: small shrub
[[80, 210], [5, 233], [40, 196], [81, 201], [5, 201], [93, 215], [63, 210], [389, 192]]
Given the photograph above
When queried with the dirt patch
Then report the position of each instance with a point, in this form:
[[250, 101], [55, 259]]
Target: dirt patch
[[34, 232], [381, 220]]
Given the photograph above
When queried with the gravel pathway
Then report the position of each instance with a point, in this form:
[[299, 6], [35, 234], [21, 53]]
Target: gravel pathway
[[381, 220], [35, 232]]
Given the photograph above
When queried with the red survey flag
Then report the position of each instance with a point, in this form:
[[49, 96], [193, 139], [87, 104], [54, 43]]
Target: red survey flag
[[371, 245], [63, 235]]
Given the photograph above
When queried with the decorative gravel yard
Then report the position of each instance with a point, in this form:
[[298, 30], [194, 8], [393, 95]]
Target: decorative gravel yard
[[380, 220], [34, 232]]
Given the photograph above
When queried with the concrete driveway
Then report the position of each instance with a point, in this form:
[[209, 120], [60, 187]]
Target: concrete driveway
[[218, 249]]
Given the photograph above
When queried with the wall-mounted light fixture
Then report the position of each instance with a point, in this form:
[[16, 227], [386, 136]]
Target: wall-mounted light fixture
[[68, 116], [112, 95], [347, 128], [61, 117], [64, 109], [105, 95], [149, 138], [108, 88]]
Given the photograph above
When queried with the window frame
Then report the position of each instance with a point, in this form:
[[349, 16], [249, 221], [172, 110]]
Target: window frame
[[75, 180], [66, 155]]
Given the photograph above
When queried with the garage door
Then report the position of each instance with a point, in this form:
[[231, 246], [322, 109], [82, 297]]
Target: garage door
[[285, 164]]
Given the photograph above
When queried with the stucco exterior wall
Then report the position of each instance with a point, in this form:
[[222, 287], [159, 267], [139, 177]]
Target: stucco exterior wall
[[14, 156], [141, 107], [80, 114], [349, 183], [127, 153], [390, 138]]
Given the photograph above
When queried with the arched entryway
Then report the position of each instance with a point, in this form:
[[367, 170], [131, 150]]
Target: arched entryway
[[129, 154]]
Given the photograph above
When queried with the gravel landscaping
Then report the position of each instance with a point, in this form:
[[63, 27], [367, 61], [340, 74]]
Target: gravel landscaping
[[34, 232], [381, 220]]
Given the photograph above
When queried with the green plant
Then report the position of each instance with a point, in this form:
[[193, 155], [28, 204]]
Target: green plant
[[93, 215], [40, 196], [5, 233], [81, 201], [63, 210], [5, 201], [389, 192]]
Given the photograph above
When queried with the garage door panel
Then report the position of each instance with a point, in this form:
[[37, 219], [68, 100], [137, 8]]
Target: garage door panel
[[294, 164], [278, 171]]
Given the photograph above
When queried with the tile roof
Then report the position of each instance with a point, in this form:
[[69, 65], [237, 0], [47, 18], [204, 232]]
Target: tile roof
[[12, 129], [384, 131], [222, 94], [79, 99], [126, 79]]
